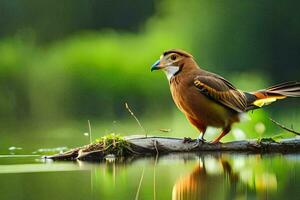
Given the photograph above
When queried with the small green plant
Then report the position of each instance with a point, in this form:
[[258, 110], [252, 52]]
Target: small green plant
[[113, 144]]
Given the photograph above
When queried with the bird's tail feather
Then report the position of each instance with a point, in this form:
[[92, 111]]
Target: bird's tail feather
[[266, 96]]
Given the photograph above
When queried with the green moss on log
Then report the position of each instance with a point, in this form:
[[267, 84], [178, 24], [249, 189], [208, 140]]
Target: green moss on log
[[110, 144]]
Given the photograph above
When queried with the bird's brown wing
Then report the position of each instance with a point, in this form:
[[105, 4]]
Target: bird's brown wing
[[221, 91]]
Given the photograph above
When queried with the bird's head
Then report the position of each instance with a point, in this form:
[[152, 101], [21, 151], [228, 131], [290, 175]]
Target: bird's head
[[174, 61]]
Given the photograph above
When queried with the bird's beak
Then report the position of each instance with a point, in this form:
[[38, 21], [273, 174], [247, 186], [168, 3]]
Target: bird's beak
[[156, 66]]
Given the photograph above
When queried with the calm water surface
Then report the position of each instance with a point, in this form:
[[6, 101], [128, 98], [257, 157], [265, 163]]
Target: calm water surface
[[174, 176]]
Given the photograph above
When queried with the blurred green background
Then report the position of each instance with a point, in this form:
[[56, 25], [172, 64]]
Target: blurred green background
[[63, 63]]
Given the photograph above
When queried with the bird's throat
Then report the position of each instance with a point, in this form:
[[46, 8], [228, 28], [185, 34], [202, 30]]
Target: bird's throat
[[170, 71]]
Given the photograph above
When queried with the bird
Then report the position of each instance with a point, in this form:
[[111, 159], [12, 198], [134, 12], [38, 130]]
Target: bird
[[209, 100]]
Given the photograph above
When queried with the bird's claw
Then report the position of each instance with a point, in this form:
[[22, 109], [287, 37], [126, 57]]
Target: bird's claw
[[201, 140], [187, 140]]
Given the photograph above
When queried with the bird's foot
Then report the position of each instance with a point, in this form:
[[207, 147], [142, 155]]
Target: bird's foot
[[187, 140], [200, 140]]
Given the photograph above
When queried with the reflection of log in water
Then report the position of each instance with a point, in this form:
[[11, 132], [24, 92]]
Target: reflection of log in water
[[202, 183]]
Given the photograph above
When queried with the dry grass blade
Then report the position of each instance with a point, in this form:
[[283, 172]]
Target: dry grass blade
[[284, 128], [165, 130], [140, 184], [154, 177], [90, 131], [136, 119], [155, 145]]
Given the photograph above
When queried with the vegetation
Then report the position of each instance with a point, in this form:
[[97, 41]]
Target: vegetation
[[110, 144]]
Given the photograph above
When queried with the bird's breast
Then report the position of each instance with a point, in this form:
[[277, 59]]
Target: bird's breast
[[194, 104]]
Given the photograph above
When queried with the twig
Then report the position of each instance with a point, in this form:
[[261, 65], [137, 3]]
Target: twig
[[154, 177], [90, 131], [284, 128], [136, 119], [138, 190], [155, 145]]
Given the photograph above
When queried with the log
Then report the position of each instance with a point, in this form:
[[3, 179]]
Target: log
[[145, 146]]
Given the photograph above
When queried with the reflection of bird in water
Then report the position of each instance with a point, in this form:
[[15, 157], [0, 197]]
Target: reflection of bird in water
[[203, 183]]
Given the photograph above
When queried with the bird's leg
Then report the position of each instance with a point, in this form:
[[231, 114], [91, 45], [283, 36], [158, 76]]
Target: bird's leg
[[200, 138], [224, 132]]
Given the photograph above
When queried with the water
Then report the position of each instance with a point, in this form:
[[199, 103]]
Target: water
[[25, 176], [173, 176]]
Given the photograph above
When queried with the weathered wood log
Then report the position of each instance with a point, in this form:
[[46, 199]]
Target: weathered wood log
[[143, 146]]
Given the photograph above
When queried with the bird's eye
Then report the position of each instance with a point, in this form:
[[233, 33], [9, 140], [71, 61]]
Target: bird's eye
[[173, 57]]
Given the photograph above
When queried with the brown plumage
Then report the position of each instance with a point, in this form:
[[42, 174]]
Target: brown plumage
[[208, 99]]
